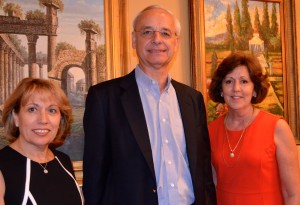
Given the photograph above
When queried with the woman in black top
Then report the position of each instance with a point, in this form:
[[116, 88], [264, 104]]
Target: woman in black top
[[36, 118]]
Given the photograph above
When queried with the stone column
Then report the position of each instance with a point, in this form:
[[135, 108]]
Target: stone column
[[22, 71], [32, 39], [14, 71], [91, 46], [101, 66], [2, 96], [35, 72], [6, 72], [10, 71], [51, 52], [17, 71], [52, 20]]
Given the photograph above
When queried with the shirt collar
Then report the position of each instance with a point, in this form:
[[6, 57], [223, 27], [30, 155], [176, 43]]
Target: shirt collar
[[145, 81]]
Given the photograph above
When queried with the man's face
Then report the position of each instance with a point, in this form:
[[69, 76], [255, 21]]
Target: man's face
[[154, 39]]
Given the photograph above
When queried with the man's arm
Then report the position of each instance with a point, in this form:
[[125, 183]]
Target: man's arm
[[96, 148]]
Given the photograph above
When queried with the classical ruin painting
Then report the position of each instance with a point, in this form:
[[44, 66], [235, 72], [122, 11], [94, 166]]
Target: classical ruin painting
[[59, 40], [252, 27]]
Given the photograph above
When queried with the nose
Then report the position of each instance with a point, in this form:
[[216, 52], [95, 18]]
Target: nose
[[156, 38], [43, 117], [236, 86]]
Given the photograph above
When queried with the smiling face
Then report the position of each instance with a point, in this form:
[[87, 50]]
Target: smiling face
[[155, 52], [38, 120], [238, 89]]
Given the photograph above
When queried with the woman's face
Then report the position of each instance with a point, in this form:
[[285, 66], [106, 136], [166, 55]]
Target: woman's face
[[238, 89], [38, 120]]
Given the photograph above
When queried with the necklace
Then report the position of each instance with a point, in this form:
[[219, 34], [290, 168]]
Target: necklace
[[231, 154], [232, 150], [44, 167]]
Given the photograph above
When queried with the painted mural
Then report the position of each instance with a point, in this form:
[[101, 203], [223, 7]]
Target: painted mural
[[248, 26], [60, 40]]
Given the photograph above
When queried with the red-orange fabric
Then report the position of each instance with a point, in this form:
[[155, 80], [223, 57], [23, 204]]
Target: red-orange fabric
[[251, 176]]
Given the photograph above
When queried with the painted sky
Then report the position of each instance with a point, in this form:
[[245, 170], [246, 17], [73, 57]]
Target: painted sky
[[215, 14], [74, 11]]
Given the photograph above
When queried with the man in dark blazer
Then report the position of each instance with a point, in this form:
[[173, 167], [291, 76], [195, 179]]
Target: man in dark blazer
[[146, 137]]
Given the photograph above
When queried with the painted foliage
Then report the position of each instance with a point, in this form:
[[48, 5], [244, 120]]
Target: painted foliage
[[248, 26]]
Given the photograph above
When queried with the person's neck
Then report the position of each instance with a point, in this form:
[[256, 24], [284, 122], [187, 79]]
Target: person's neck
[[158, 74], [237, 120], [35, 153]]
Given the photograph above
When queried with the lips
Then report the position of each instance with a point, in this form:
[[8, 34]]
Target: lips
[[41, 131], [156, 50], [236, 97]]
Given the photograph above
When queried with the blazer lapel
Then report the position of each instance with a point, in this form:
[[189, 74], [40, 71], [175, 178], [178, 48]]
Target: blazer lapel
[[133, 108], [187, 110]]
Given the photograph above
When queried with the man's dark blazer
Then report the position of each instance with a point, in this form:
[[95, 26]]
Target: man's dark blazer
[[117, 163]]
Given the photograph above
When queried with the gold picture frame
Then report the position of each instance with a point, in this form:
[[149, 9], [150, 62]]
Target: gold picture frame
[[115, 15], [117, 50], [291, 74]]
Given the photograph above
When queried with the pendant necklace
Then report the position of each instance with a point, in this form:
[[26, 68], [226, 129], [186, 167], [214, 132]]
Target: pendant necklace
[[231, 154], [232, 150], [44, 167]]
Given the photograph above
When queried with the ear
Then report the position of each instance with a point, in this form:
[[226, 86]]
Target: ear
[[177, 41], [16, 118], [254, 94], [133, 39]]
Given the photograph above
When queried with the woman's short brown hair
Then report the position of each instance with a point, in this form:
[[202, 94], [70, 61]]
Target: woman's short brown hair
[[25, 89], [259, 79]]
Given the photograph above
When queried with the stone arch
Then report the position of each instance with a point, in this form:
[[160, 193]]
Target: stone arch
[[66, 60], [64, 76]]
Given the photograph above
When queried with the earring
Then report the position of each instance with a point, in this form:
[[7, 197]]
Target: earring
[[254, 94], [222, 94]]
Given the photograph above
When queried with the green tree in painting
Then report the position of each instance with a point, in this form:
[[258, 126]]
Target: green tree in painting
[[265, 26], [12, 9], [257, 25], [214, 62], [246, 26], [35, 15], [274, 24], [90, 24], [18, 44], [101, 62], [229, 37], [101, 49], [63, 46], [275, 38], [237, 25], [58, 3]]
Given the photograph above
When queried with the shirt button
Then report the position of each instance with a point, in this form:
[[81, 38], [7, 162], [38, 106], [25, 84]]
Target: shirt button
[[164, 120], [166, 141], [169, 162], [172, 185]]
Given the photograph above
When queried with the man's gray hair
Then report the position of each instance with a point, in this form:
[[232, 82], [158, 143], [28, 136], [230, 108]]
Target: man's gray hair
[[176, 21]]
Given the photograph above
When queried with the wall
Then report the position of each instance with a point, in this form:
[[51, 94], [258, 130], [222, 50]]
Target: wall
[[181, 67]]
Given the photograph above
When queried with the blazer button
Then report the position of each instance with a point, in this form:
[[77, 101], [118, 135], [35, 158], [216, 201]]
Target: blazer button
[[154, 190]]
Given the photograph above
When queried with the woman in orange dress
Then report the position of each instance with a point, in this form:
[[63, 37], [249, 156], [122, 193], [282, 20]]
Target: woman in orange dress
[[254, 154]]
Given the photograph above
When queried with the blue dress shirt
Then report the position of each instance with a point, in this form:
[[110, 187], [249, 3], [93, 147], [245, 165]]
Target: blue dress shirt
[[165, 128]]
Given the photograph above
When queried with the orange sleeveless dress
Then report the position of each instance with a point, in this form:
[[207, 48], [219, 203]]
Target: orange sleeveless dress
[[251, 177]]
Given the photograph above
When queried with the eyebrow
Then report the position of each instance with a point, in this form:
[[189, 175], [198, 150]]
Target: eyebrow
[[152, 28]]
